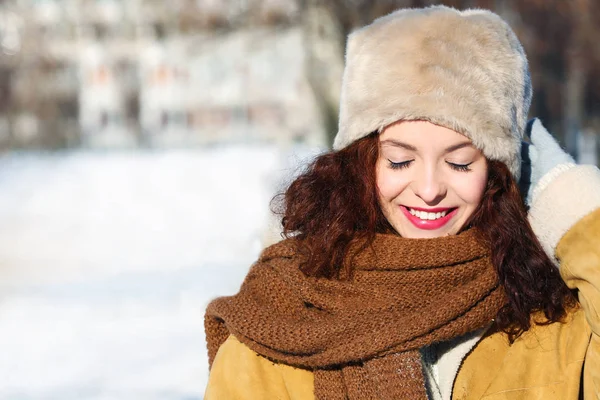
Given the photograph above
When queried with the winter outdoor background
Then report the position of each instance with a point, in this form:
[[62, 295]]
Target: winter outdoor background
[[141, 143], [110, 259]]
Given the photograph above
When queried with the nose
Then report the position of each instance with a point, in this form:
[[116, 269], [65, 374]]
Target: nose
[[429, 185]]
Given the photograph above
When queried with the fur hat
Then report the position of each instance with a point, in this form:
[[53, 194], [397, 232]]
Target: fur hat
[[464, 70]]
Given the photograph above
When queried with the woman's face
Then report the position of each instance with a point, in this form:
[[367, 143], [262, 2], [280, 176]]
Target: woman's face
[[430, 179]]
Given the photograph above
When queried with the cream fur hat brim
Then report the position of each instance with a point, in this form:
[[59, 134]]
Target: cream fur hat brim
[[464, 70]]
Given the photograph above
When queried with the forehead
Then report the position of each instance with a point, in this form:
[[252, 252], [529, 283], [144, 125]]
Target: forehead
[[415, 134]]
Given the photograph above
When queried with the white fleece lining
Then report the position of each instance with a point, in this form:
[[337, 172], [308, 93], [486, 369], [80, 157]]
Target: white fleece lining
[[570, 196], [549, 177], [451, 359], [441, 373]]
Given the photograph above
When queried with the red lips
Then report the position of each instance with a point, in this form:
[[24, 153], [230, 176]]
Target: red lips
[[429, 224]]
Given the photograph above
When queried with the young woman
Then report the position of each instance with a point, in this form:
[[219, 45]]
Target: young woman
[[410, 270]]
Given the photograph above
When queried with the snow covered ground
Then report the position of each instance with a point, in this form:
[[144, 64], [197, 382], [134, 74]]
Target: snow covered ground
[[107, 261]]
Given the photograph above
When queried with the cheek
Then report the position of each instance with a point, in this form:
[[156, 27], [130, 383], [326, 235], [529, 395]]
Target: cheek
[[390, 183], [472, 188]]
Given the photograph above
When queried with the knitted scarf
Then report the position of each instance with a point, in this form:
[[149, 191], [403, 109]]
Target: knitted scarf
[[361, 337]]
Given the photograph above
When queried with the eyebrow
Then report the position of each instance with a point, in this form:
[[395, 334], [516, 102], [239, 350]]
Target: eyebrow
[[407, 146]]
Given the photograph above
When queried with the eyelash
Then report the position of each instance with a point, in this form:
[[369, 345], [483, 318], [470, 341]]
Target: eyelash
[[400, 165], [406, 164], [460, 167]]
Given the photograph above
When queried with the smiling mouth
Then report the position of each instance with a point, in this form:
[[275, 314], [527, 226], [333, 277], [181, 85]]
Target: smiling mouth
[[429, 219], [430, 215]]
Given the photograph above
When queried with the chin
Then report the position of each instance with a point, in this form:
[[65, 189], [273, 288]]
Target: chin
[[424, 234], [412, 232]]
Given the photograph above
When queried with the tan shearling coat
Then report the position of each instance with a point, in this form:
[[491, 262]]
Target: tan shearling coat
[[560, 361], [550, 362]]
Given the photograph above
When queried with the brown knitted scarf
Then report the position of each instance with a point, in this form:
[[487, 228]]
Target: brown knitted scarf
[[362, 337]]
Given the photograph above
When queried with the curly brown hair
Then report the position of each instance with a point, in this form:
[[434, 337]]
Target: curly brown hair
[[334, 201]]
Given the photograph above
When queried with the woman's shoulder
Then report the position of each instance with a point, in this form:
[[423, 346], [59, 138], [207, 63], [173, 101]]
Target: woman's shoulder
[[286, 248], [240, 373], [546, 361], [542, 333]]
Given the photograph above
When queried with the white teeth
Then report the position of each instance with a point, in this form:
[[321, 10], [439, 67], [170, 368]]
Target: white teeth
[[424, 215]]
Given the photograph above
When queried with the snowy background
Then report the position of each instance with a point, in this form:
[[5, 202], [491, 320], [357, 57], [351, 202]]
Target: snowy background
[[108, 260]]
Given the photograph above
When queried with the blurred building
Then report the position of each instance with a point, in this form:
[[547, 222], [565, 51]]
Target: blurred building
[[110, 73]]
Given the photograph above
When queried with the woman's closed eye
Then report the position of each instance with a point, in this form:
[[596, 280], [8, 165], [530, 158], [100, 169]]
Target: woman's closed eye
[[400, 165], [454, 166], [460, 167]]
